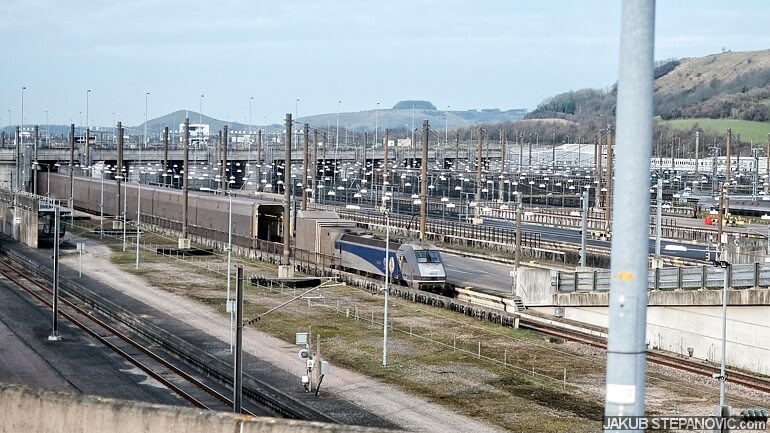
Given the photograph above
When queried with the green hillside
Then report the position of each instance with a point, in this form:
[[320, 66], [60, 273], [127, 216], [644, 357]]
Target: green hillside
[[749, 130]]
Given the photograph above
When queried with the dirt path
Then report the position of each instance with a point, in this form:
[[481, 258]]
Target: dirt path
[[408, 411]]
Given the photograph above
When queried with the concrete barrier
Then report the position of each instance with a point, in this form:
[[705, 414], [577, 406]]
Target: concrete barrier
[[27, 410]]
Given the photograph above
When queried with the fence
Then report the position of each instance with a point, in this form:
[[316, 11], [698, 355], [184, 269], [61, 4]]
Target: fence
[[680, 278]]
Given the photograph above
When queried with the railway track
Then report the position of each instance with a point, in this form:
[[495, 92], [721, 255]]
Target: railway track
[[203, 377], [191, 389], [669, 360]]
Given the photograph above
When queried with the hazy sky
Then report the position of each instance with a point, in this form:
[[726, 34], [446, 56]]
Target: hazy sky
[[462, 54]]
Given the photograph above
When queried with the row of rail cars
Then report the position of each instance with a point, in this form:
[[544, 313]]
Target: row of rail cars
[[320, 236]]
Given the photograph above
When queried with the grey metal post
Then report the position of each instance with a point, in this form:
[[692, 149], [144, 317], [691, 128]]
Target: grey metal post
[[315, 165], [165, 156], [387, 290], [424, 181], [119, 176], [306, 132], [584, 230], [517, 253], [225, 177], [658, 220], [55, 328], [19, 142], [478, 170], [229, 260], [722, 377], [72, 162], [697, 164], [186, 145], [287, 193], [238, 364], [35, 143], [626, 347], [385, 162]]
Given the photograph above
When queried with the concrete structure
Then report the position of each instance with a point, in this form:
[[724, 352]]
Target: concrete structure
[[19, 217], [27, 410], [686, 322]]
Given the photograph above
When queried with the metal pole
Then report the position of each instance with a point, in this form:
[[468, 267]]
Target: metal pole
[[165, 156], [138, 212], [101, 208], [186, 145], [718, 249], [72, 162], [584, 230], [125, 217], [287, 193], [626, 347], [479, 163], [55, 325], [424, 181], [608, 184], [306, 131], [728, 150], [697, 146], [385, 163], [722, 377], [119, 176], [229, 262], [238, 362], [225, 177], [517, 258], [387, 290], [658, 221]]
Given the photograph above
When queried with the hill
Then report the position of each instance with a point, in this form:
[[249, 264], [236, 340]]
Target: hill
[[399, 119], [734, 85]]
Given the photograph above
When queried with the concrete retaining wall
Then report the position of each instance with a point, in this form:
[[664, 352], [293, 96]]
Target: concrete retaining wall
[[692, 320], [534, 286], [26, 410]]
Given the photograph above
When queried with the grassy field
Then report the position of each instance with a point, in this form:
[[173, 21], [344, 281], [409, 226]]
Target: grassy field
[[749, 130]]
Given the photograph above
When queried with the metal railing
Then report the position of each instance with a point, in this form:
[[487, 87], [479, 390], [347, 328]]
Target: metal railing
[[741, 276]]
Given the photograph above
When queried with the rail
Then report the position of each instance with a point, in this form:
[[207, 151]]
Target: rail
[[740, 276]]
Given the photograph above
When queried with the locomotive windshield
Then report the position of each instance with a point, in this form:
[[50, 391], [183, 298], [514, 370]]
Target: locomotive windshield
[[425, 256]]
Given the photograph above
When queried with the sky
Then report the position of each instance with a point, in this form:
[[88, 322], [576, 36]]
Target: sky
[[458, 54]]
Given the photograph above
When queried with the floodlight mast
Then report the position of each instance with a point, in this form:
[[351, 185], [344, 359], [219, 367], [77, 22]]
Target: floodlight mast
[[626, 348]]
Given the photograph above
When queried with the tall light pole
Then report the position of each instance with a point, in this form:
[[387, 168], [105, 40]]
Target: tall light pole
[[336, 145], [146, 95], [296, 109], [722, 377], [376, 125], [139, 184], [229, 306], [387, 284], [20, 145], [446, 127], [248, 158], [200, 121], [88, 93]]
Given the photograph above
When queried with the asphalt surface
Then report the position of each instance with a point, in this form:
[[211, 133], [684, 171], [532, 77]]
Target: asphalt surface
[[478, 273], [80, 365], [668, 248], [76, 364]]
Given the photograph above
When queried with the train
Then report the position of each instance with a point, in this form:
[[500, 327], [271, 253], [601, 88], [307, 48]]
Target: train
[[319, 236]]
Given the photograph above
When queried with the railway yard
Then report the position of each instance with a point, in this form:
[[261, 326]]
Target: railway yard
[[445, 369]]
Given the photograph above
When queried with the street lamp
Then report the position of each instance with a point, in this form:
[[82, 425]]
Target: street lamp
[[248, 158], [21, 138], [721, 376], [200, 120], [386, 289], [88, 93]]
